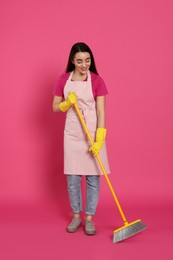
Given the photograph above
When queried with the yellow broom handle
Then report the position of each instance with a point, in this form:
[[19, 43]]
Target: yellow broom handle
[[100, 163]]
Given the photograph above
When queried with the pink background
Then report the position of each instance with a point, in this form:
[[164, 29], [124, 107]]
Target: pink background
[[132, 44]]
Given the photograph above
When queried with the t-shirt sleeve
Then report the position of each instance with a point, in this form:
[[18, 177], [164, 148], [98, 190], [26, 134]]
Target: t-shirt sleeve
[[99, 86], [101, 89], [60, 84]]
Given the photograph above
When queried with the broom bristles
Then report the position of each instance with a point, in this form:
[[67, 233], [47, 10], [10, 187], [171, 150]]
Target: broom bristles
[[128, 231]]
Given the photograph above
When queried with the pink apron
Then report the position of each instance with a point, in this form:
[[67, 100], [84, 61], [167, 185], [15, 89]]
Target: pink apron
[[77, 158]]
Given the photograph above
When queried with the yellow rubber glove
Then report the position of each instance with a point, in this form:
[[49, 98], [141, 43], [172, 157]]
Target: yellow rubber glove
[[100, 137], [65, 105]]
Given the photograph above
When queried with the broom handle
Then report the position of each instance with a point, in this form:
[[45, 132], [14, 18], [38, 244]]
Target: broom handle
[[100, 163]]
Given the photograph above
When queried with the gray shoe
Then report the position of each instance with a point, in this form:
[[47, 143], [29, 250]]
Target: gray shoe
[[89, 227], [74, 225]]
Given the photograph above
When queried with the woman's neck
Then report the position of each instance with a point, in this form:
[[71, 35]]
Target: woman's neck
[[79, 77]]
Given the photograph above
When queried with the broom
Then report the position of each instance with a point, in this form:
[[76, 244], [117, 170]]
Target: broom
[[129, 229]]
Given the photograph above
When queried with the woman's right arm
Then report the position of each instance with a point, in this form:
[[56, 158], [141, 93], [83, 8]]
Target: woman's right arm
[[56, 101]]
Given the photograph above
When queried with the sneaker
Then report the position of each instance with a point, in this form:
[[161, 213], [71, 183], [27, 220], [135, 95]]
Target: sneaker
[[89, 227], [74, 225]]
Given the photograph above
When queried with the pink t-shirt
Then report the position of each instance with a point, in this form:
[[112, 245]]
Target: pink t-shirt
[[98, 86]]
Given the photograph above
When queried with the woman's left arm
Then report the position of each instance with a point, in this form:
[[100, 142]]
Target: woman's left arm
[[101, 130], [100, 108]]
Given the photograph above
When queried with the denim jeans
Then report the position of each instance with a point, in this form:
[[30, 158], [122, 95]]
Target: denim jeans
[[92, 193]]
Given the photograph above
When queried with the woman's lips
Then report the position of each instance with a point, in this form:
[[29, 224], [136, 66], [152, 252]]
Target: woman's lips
[[84, 69]]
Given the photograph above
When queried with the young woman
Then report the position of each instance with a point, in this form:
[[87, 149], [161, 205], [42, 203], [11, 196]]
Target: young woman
[[82, 84]]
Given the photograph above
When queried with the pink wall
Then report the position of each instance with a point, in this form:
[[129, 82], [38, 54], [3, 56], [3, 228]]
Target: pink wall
[[132, 43]]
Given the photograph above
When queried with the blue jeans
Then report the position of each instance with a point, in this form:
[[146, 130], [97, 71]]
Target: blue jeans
[[92, 193]]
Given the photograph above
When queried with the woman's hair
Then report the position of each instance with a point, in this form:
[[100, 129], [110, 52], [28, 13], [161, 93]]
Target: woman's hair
[[80, 47]]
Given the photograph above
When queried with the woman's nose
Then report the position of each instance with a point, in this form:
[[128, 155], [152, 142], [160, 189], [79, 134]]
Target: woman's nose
[[84, 64]]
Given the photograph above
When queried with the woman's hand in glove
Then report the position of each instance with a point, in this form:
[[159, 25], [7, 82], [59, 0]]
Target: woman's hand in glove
[[72, 98], [100, 137], [65, 105]]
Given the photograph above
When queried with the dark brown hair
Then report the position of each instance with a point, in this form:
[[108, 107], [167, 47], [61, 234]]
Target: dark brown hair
[[80, 47]]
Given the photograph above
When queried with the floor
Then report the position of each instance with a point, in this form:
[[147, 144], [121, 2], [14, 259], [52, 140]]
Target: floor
[[30, 232]]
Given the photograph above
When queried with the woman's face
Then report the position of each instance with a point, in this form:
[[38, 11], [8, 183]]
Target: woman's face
[[82, 62]]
